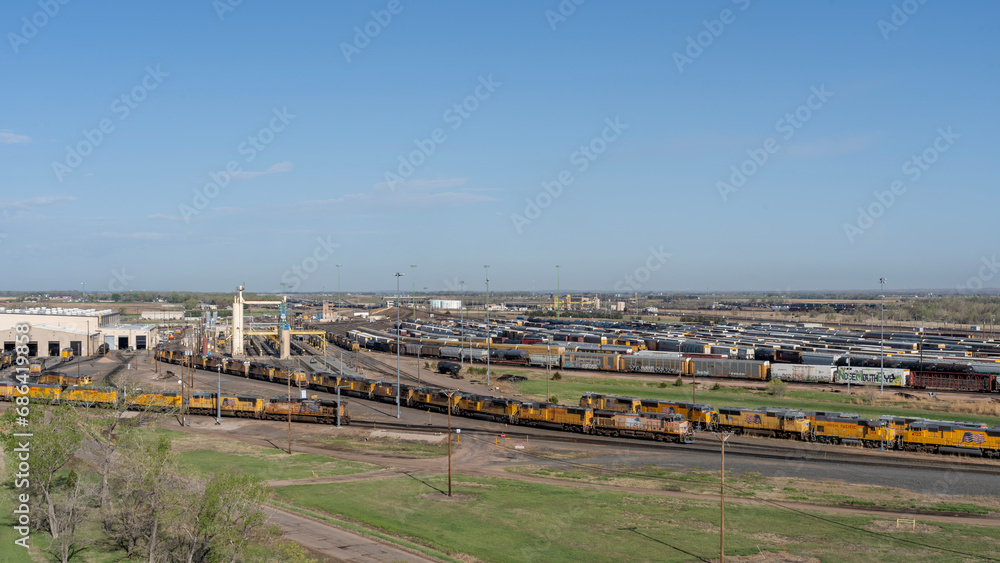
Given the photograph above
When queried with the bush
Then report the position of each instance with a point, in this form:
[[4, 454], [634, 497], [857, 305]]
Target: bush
[[427, 365], [663, 384], [777, 387], [716, 387], [556, 376], [679, 382], [553, 399]]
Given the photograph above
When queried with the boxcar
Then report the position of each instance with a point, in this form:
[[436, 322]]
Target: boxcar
[[741, 369], [892, 377], [796, 372], [654, 364], [591, 361], [978, 382]]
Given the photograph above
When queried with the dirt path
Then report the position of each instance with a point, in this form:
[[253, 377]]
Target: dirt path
[[338, 544]]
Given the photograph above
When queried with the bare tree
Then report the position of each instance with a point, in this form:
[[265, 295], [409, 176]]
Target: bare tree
[[143, 487], [72, 508]]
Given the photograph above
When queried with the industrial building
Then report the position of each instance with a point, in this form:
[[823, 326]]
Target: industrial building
[[81, 330], [446, 304], [162, 315]]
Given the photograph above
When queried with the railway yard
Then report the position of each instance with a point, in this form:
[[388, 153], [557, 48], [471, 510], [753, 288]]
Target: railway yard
[[602, 373]]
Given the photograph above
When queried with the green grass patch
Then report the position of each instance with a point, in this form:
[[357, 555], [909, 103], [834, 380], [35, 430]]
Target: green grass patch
[[269, 464], [501, 520]]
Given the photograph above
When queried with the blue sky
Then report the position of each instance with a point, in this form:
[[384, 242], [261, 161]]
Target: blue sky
[[647, 111]]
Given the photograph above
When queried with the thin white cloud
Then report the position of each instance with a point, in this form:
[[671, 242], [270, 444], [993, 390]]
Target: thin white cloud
[[37, 201], [141, 235], [415, 193], [8, 137], [165, 217], [285, 166]]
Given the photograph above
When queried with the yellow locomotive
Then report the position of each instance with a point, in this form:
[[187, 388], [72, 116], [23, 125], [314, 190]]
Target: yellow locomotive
[[932, 436], [771, 422]]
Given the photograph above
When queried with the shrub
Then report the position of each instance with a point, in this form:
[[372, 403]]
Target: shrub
[[716, 387], [556, 376], [553, 399], [777, 387], [679, 382], [663, 384]]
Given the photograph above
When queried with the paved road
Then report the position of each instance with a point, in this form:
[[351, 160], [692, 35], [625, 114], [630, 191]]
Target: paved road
[[338, 544]]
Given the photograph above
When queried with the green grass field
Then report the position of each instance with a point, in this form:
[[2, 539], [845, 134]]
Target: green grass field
[[507, 520], [271, 464], [10, 552], [570, 388]]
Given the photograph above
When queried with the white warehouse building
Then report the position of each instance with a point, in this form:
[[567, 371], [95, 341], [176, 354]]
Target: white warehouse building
[[81, 330], [448, 304]]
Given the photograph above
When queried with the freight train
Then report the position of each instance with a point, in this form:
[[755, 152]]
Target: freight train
[[655, 426], [697, 361], [244, 406], [631, 417]]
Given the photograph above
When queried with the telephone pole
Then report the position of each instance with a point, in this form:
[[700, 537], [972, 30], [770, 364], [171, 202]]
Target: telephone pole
[[449, 393], [881, 354], [722, 497], [413, 279], [488, 331], [398, 413]]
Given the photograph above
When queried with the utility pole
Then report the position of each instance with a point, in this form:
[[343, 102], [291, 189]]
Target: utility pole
[[548, 361], [398, 413], [339, 406], [218, 397], [722, 497], [488, 331], [881, 354], [413, 280], [84, 284], [449, 393], [289, 380], [338, 292], [461, 313]]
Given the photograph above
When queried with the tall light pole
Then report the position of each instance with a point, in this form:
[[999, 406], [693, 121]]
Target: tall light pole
[[398, 275], [488, 332], [449, 393], [558, 290], [548, 360], [339, 315], [722, 496], [218, 397], [461, 313], [84, 284], [413, 278], [881, 354], [289, 406]]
